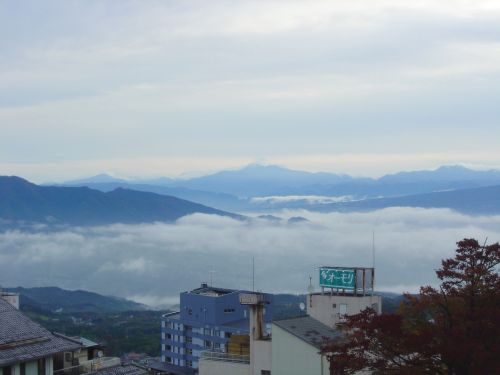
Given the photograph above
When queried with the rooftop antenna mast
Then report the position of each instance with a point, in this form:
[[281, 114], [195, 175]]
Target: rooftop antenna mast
[[373, 261], [211, 274], [253, 274]]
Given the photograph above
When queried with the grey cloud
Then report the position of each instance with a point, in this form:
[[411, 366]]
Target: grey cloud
[[155, 262]]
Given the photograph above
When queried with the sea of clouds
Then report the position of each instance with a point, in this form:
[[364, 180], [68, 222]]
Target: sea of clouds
[[152, 263]]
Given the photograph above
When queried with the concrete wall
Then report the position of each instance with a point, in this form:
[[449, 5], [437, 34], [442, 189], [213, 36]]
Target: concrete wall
[[328, 308], [12, 298], [31, 368], [260, 356], [292, 356], [207, 367]]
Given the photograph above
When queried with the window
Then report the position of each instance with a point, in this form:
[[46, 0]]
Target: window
[[217, 333], [190, 311], [189, 339], [169, 336], [168, 359], [265, 372], [189, 363], [6, 370], [207, 344], [22, 368], [188, 328], [245, 313], [207, 331], [227, 335], [189, 351], [216, 345], [168, 348], [228, 311]]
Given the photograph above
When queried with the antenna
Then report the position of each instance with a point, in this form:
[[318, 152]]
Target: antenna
[[373, 249], [373, 261], [253, 274], [211, 273]]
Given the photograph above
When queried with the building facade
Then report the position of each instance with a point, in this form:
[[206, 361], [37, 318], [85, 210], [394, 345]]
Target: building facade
[[209, 319]]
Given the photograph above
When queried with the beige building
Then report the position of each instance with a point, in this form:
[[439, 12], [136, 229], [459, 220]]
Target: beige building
[[331, 309]]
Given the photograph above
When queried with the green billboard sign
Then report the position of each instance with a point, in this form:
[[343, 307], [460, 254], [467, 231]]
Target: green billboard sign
[[339, 278]]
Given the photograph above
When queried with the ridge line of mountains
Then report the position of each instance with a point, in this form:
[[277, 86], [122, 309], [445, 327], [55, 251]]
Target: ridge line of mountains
[[104, 200]]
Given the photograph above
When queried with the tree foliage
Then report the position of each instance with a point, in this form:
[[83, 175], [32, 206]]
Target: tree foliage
[[451, 330]]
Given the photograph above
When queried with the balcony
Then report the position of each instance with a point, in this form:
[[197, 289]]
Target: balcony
[[213, 355], [86, 367]]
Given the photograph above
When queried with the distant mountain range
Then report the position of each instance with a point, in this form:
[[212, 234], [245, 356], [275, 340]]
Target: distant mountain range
[[60, 300], [22, 201], [476, 201], [263, 188]]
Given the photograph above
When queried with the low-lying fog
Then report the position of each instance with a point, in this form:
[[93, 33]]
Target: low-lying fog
[[153, 263]]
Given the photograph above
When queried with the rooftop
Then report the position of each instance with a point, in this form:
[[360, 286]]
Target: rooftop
[[309, 330], [170, 369], [206, 290], [21, 339], [129, 369]]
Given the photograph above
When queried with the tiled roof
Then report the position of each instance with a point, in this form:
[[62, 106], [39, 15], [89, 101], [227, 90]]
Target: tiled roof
[[21, 339], [121, 370], [309, 330]]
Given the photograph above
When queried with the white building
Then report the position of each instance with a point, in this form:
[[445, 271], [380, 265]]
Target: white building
[[296, 346]]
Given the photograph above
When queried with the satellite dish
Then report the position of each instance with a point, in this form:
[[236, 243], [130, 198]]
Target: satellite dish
[[302, 306]]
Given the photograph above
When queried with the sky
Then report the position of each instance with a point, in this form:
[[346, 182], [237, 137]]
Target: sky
[[164, 88], [153, 263]]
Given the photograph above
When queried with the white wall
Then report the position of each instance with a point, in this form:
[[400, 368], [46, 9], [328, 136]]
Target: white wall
[[327, 308], [260, 356], [207, 367], [292, 356]]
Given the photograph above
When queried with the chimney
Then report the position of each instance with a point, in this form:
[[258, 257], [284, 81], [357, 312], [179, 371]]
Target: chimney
[[12, 298]]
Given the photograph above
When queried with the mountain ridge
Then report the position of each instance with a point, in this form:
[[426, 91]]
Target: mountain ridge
[[21, 200]]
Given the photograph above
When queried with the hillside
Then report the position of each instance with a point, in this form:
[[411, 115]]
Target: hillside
[[22, 201], [72, 301]]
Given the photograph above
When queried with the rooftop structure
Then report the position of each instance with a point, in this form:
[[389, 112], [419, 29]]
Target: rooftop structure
[[296, 346], [309, 330], [210, 318]]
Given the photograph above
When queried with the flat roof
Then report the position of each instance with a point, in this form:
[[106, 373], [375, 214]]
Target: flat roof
[[170, 369]]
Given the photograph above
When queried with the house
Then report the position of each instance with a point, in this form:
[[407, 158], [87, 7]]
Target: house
[[26, 348]]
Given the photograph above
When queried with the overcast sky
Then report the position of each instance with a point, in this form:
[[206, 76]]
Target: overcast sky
[[149, 88]]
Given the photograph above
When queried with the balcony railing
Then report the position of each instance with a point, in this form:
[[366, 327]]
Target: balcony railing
[[213, 355], [86, 367]]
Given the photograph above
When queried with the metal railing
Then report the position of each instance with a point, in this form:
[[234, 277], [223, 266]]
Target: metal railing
[[86, 367], [213, 355]]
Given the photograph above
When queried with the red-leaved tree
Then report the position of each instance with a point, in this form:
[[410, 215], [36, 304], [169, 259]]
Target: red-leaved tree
[[451, 330]]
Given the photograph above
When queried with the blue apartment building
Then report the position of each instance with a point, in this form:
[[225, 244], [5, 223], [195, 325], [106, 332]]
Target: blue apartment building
[[207, 318]]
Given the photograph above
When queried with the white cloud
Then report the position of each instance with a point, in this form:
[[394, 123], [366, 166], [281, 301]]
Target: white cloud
[[157, 261]]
